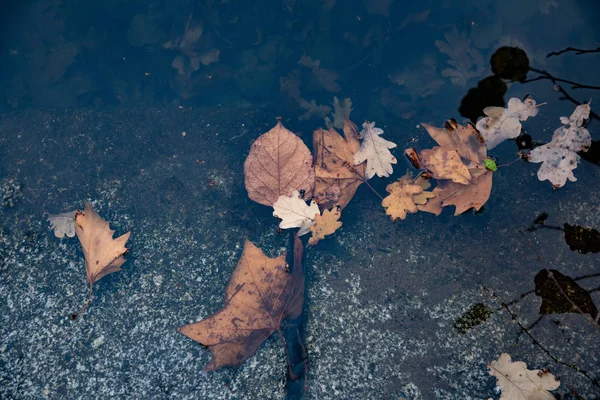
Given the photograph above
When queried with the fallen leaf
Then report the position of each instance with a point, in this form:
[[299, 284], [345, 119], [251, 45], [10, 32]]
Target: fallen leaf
[[336, 176], [278, 163], [313, 110], [324, 225], [261, 293], [469, 145], [209, 57], [295, 213], [559, 157], [505, 123], [445, 164], [519, 383], [552, 286], [405, 195], [103, 254], [326, 78], [375, 150], [474, 316], [63, 224], [467, 61]]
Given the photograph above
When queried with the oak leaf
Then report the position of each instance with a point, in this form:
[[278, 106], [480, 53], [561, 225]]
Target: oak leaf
[[103, 254], [278, 163], [336, 176], [295, 213], [559, 157], [519, 383], [63, 224], [261, 293], [375, 150], [405, 195], [505, 123], [324, 225], [470, 147]]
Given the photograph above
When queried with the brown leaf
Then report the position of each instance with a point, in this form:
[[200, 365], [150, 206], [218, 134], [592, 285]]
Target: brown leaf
[[445, 164], [336, 178], [469, 145], [260, 294], [278, 163], [103, 254], [464, 197], [404, 196], [324, 225]]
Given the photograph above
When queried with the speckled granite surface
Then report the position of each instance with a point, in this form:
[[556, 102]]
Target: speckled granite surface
[[382, 297]]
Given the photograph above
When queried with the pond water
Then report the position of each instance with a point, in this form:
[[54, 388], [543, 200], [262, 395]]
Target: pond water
[[148, 110]]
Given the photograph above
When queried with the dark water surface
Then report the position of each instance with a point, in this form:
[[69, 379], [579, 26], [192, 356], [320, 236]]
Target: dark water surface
[[148, 110]]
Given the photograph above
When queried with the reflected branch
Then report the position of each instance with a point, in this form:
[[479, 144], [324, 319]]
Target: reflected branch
[[577, 51]]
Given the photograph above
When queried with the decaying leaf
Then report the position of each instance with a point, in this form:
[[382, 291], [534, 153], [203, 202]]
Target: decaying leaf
[[260, 294], [559, 157], [295, 213], [505, 123], [375, 150], [313, 110], [405, 195], [467, 61], [474, 316], [469, 145], [325, 225], [582, 239], [445, 164], [278, 163], [552, 286], [519, 383], [336, 176], [63, 224], [103, 254], [326, 78]]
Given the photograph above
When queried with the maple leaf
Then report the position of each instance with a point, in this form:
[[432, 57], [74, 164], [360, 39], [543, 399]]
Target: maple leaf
[[375, 150], [469, 145], [295, 213], [325, 225], [559, 157], [336, 177], [505, 123], [103, 254], [519, 383], [278, 163], [261, 293], [405, 195], [63, 224]]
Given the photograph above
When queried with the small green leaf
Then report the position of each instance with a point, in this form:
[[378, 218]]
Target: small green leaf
[[490, 164]]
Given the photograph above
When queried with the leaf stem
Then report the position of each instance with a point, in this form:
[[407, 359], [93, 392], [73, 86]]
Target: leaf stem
[[87, 302]]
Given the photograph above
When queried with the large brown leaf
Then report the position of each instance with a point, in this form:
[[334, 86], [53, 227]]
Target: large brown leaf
[[103, 254], [336, 176], [456, 189], [278, 163], [260, 294]]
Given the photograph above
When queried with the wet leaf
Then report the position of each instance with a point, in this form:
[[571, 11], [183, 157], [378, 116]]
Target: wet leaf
[[474, 316], [295, 213], [552, 286], [278, 163], [103, 254], [445, 164], [325, 225], [405, 195], [261, 293], [375, 150], [559, 157], [467, 142], [505, 123], [342, 111], [519, 383], [582, 239], [336, 176], [63, 224]]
